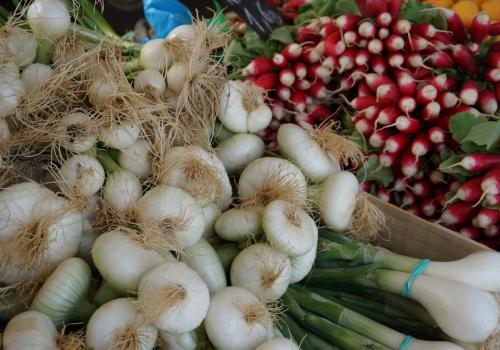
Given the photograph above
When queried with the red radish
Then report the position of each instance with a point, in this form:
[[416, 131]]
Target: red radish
[[426, 94], [495, 46], [300, 70], [447, 100], [438, 147], [429, 207], [441, 60], [364, 89], [362, 57], [464, 59], [396, 60], [491, 181], [320, 48], [415, 60], [387, 116], [401, 27], [492, 199], [384, 194], [469, 191], [351, 38], [318, 91], [378, 137], [494, 29], [280, 60], [493, 232], [493, 59], [371, 112], [347, 22], [308, 35], [267, 81], [407, 104], [408, 125], [299, 101], [374, 8], [487, 102], [309, 55], [301, 85], [408, 200], [418, 43], [454, 186], [317, 71], [493, 75], [365, 186], [407, 85], [497, 91], [458, 213], [400, 184], [422, 73], [375, 80], [465, 108], [387, 94], [473, 48], [363, 102], [384, 19], [478, 162], [258, 66], [289, 16], [287, 77], [387, 159], [420, 175], [431, 111], [436, 135], [436, 176], [420, 145], [396, 143], [394, 7], [283, 92], [319, 112], [346, 82], [367, 30], [487, 217], [334, 46], [383, 33], [295, 4], [330, 63], [480, 27], [328, 29], [444, 81], [442, 40], [292, 51], [278, 108], [410, 165], [469, 93], [394, 43], [364, 127], [375, 46], [455, 25], [425, 30], [346, 60], [378, 64], [362, 43], [470, 232]]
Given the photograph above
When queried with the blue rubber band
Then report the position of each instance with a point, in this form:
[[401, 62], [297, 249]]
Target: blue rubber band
[[406, 343], [417, 271]]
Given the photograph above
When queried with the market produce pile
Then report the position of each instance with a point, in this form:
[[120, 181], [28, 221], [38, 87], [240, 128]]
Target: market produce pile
[[140, 208], [408, 82]]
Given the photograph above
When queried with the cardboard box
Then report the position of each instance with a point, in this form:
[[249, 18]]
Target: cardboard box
[[413, 236]]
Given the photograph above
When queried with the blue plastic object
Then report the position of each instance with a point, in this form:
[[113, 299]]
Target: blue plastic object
[[165, 15]]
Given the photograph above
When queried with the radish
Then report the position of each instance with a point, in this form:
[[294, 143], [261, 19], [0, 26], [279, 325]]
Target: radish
[[493, 75], [493, 59], [394, 7], [422, 189], [299, 101], [361, 103], [351, 38], [492, 231], [415, 60], [362, 57], [378, 64], [317, 71], [384, 194], [494, 29], [431, 111], [386, 116], [455, 25], [478, 162], [470, 232], [387, 94], [375, 46], [491, 182], [310, 55], [286, 77], [364, 89], [400, 184], [492, 199], [266, 81], [394, 43], [458, 213], [258, 66], [383, 33], [473, 48], [396, 60], [417, 43], [295, 4], [371, 112], [367, 30], [384, 19], [437, 177], [330, 63], [408, 200], [410, 164], [447, 100], [328, 29], [487, 101], [420, 145], [425, 30], [441, 60], [396, 143], [279, 60], [347, 21], [292, 51], [401, 27], [429, 208], [364, 127], [284, 92], [407, 85], [308, 35], [436, 135], [387, 159], [299, 69], [480, 27], [346, 60], [407, 104], [426, 94], [375, 80], [408, 125], [373, 8], [464, 59], [487, 217], [317, 91], [378, 137], [302, 85], [334, 46]]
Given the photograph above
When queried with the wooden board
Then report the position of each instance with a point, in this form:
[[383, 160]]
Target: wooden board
[[413, 236]]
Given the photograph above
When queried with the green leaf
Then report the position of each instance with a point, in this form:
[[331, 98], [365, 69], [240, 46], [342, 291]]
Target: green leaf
[[358, 138], [283, 35], [417, 12], [461, 123], [485, 134], [253, 42], [449, 166], [471, 147], [317, 4], [372, 171], [237, 56], [328, 8], [346, 6], [305, 17]]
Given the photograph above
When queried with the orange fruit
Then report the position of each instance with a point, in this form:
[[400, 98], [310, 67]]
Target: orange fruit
[[492, 9], [440, 3], [466, 10]]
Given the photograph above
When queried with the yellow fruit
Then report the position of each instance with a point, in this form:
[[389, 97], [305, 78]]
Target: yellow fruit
[[440, 3], [466, 10], [492, 9]]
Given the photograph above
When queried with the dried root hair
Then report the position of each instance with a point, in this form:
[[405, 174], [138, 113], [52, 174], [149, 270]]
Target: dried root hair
[[251, 96], [368, 222], [72, 341], [272, 268], [131, 337], [22, 292], [155, 302], [347, 151], [258, 313]]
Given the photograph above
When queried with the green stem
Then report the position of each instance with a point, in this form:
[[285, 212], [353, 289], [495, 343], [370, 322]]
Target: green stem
[[83, 311], [107, 162], [307, 341], [97, 18], [44, 51], [131, 66], [106, 293], [356, 275], [96, 37], [4, 13], [330, 331], [333, 236]]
